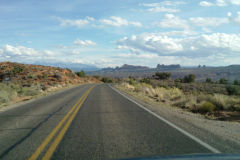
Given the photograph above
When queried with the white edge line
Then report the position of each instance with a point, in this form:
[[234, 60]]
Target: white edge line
[[214, 150]]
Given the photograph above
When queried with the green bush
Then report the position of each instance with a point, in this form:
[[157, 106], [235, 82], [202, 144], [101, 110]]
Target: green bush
[[81, 74], [233, 90], [8, 92], [145, 80], [223, 81], [208, 80], [207, 107], [17, 69], [162, 75], [189, 79], [106, 80], [29, 91], [236, 82], [131, 82]]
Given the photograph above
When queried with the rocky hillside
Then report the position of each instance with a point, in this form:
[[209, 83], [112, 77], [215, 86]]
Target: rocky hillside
[[30, 75], [21, 82]]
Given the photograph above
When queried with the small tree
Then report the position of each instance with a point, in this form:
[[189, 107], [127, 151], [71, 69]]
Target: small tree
[[81, 74], [223, 81], [236, 82], [145, 80], [233, 90], [163, 75], [106, 80], [189, 79], [208, 80]]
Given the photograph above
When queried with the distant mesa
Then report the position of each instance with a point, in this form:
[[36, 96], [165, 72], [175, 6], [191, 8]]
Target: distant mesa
[[126, 67], [168, 67]]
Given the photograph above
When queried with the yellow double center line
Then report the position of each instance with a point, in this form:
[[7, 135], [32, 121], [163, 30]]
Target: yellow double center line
[[59, 137]]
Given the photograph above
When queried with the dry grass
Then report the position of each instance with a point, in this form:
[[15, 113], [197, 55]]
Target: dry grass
[[203, 103]]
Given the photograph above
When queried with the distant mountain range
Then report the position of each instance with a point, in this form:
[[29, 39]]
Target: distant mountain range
[[127, 67], [231, 72], [73, 66]]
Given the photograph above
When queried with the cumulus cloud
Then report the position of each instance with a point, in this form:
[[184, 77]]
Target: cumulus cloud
[[145, 56], [206, 4], [162, 6], [163, 3], [84, 43], [163, 9], [192, 46], [235, 2], [119, 22], [220, 3], [234, 20], [9, 51], [208, 21], [75, 22], [172, 21]]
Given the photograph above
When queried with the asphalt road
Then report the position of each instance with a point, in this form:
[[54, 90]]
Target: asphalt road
[[89, 122]]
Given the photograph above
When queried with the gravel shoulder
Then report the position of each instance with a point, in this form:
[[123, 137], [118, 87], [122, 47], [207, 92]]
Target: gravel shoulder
[[223, 135]]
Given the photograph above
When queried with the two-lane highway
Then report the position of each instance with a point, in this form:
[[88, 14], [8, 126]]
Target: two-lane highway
[[89, 122]]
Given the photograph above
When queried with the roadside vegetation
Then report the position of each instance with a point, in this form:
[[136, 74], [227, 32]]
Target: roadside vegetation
[[212, 98], [19, 82]]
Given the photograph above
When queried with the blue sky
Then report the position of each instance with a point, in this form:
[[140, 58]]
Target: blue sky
[[111, 33]]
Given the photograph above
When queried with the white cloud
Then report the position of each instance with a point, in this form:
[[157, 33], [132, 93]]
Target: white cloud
[[235, 2], [76, 23], [193, 46], [119, 22], [206, 4], [172, 21], [10, 51], [220, 3], [76, 51], [145, 56], [19, 51], [163, 9], [207, 30], [84, 43], [208, 21], [163, 3], [234, 20]]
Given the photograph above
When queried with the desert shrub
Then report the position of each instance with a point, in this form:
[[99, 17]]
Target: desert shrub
[[206, 107], [97, 77], [236, 82], [233, 90], [145, 80], [189, 79], [57, 76], [180, 104], [81, 74], [29, 91], [223, 81], [131, 82], [162, 75], [222, 102], [177, 80], [17, 69], [131, 77], [208, 80], [106, 80], [8, 92]]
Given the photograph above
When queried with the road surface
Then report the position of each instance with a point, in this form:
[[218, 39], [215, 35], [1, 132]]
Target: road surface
[[89, 122]]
